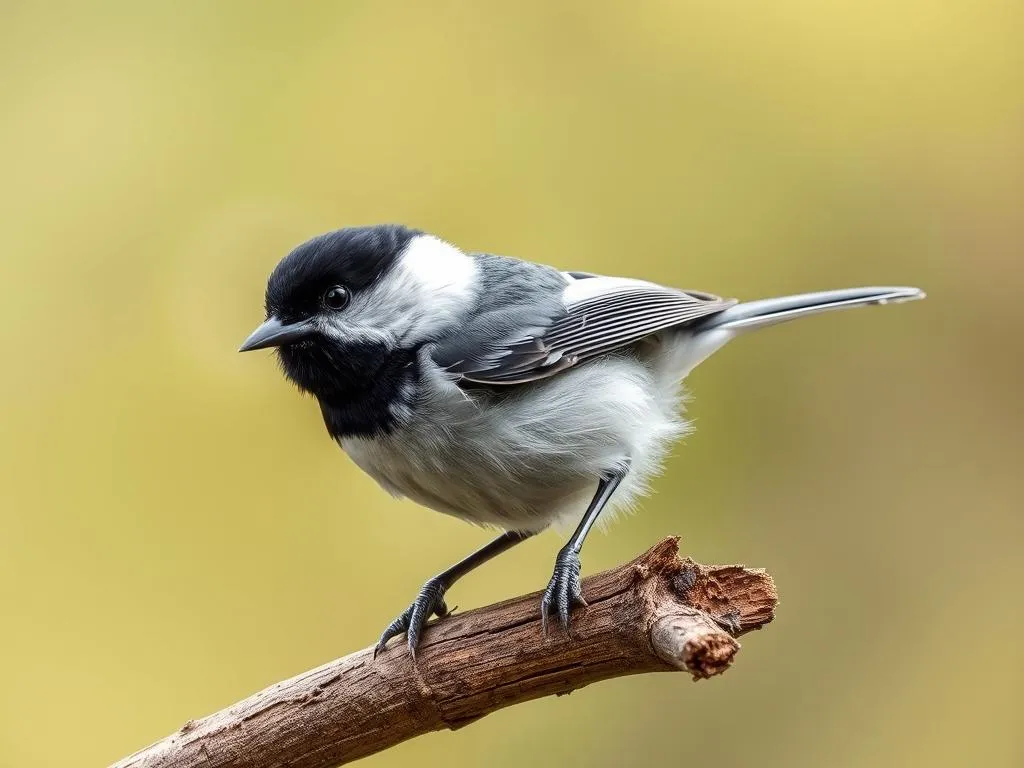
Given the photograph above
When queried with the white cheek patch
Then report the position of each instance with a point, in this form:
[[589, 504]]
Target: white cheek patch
[[345, 328], [438, 267], [426, 290]]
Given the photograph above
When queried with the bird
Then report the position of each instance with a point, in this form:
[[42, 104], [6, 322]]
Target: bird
[[504, 392]]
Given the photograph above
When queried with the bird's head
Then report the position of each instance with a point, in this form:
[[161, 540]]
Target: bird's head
[[347, 310]]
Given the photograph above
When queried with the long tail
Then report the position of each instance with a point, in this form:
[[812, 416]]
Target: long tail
[[711, 333], [758, 314]]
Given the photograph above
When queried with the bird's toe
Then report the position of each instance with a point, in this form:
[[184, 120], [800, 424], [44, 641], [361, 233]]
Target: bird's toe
[[413, 619], [564, 592]]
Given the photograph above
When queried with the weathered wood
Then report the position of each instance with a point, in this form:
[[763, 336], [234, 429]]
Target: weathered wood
[[656, 613]]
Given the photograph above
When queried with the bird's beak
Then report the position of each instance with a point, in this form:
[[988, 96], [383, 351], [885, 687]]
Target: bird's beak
[[274, 333]]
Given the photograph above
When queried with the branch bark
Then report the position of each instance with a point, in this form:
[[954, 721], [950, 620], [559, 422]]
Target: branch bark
[[657, 613]]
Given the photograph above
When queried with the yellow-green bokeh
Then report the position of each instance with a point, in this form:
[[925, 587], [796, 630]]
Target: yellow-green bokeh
[[176, 530]]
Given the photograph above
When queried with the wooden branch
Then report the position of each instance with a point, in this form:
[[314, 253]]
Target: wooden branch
[[656, 613]]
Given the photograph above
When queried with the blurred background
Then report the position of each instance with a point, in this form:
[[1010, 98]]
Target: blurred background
[[176, 529]]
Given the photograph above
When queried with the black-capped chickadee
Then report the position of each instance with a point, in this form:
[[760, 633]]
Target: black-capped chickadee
[[503, 392]]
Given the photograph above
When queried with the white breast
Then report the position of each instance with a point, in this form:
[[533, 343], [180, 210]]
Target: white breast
[[529, 456]]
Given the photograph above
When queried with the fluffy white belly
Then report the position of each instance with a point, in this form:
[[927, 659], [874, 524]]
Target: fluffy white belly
[[524, 457]]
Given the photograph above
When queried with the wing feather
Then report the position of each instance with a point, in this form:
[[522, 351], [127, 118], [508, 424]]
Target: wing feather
[[597, 315]]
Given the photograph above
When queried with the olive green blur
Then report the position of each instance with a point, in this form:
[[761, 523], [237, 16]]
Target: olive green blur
[[176, 528]]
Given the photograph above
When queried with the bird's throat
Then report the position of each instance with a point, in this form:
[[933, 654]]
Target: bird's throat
[[362, 388]]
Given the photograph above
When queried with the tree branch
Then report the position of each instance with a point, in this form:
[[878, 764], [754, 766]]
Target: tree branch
[[657, 613]]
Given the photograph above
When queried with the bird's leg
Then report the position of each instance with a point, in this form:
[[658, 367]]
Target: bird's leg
[[563, 592], [431, 598]]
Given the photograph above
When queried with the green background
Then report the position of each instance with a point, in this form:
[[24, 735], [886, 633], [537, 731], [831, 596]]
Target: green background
[[177, 531]]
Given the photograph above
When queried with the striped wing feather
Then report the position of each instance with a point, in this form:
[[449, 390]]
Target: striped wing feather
[[601, 314]]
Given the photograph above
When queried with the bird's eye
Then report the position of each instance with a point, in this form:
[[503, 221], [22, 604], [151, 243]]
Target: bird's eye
[[336, 297]]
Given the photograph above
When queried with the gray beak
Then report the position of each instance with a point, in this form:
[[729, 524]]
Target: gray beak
[[274, 333]]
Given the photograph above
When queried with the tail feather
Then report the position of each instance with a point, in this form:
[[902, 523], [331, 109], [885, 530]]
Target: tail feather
[[765, 312]]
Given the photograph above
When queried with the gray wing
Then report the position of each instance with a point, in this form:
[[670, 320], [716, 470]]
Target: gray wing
[[592, 315]]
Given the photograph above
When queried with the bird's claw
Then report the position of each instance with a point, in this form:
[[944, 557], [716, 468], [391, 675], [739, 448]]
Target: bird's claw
[[563, 592], [429, 602]]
